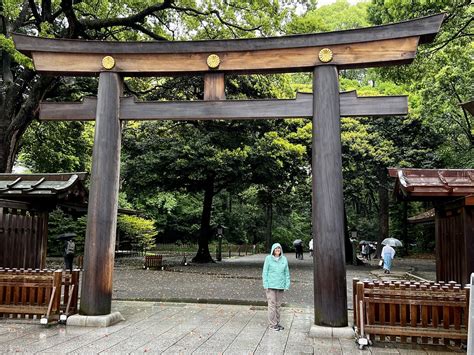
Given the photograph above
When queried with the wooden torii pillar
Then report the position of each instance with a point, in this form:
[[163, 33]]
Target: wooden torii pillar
[[323, 54]]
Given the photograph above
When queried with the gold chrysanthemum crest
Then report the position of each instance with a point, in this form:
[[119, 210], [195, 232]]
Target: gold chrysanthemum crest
[[213, 61], [108, 62], [325, 55]]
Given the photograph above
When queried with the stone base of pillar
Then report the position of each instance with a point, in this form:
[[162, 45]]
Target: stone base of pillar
[[318, 331], [106, 320]]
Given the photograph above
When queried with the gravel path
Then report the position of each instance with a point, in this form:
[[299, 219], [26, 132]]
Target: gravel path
[[238, 280]]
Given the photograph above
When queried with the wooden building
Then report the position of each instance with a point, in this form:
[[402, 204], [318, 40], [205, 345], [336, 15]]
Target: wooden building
[[25, 203], [452, 193]]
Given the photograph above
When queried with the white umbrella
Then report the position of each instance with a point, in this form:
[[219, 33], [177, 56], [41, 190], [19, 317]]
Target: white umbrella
[[393, 242]]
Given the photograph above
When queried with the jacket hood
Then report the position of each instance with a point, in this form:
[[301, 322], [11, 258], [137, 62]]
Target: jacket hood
[[274, 246]]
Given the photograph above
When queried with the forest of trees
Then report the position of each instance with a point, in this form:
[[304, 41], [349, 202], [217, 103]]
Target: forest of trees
[[251, 176]]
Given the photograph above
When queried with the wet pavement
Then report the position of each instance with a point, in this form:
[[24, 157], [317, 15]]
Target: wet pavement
[[211, 309]]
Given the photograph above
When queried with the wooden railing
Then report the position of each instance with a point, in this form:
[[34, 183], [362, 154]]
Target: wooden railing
[[80, 261], [38, 294], [228, 250], [70, 292], [425, 312], [153, 261]]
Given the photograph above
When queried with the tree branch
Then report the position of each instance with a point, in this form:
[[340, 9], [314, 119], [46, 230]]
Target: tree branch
[[454, 36], [14, 94], [148, 32], [75, 26], [25, 115], [194, 12], [140, 93], [34, 11], [466, 129], [126, 21], [46, 10]]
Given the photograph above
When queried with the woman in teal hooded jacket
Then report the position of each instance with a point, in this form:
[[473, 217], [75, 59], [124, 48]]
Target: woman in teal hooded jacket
[[276, 279]]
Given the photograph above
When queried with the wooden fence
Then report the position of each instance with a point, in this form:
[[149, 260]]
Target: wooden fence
[[228, 250], [426, 312], [34, 294], [153, 261], [23, 236]]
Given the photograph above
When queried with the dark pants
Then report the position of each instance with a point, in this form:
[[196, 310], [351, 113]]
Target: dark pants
[[299, 252], [68, 262]]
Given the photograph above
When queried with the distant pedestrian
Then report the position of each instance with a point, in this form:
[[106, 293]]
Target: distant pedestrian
[[388, 253], [311, 247], [299, 251], [276, 279], [365, 251], [68, 252]]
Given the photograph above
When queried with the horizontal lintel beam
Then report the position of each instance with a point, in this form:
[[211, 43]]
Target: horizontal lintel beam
[[301, 107], [388, 44], [344, 56]]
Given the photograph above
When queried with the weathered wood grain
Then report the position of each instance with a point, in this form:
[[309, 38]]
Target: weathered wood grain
[[346, 56], [301, 107], [96, 293], [427, 312], [330, 294], [214, 88]]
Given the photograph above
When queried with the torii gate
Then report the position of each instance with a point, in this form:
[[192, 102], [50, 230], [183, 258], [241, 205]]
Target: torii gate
[[323, 54]]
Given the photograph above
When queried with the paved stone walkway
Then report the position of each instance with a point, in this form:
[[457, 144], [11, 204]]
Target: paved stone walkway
[[204, 328], [181, 328]]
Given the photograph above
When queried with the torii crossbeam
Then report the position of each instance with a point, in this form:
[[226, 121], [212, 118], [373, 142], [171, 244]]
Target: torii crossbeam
[[301, 107], [323, 54]]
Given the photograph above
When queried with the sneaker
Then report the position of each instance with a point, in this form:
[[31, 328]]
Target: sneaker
[[276, 328], [281, 327]]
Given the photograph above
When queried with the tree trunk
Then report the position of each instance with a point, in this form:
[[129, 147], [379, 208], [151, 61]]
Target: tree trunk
[[383, 211], [203, 255], [16, 113]]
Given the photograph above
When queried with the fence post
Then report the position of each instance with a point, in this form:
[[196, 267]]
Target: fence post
[[57, 283], [354, 299], [470, 327], [358, 311]]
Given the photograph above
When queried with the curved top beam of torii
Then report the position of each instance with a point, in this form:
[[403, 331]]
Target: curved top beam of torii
[[372, 46]]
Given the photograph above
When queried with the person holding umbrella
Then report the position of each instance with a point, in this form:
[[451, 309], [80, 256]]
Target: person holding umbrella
[[298, 244], [69, 248], [364, 249], [388, 253]]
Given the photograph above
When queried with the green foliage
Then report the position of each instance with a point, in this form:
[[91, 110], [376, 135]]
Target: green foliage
[[58, 147], [135, 232], [7, 46], [334, 17], [441, 77]]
